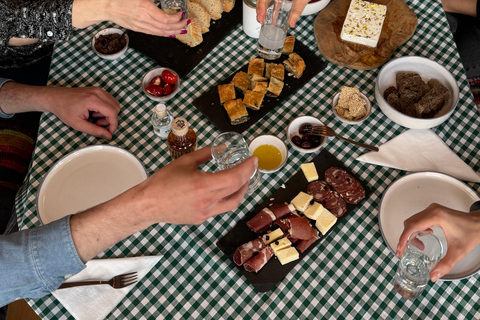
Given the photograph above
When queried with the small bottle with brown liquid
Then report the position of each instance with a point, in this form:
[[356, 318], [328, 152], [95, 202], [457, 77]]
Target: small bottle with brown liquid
[[182, 139]]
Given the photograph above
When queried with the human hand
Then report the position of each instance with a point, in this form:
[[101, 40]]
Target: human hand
[[462, 231], [75, 107], [295, 13], [179, 193]]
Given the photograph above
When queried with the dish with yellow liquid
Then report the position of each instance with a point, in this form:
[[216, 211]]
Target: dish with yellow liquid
[[271, 153]]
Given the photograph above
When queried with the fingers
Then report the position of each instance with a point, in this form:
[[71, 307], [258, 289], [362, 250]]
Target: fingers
[[445, 265], [261, 10], [296, 11], [199, 157], [93, 129], [230, 202]]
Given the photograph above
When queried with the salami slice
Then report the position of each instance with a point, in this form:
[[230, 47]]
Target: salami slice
[[256, 263], [305, 244], [335, 204], [247, 250], [345, 184], [336, 177], [354, 196], [320, 190]]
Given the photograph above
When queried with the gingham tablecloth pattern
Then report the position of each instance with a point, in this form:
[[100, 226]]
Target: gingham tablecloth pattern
[[347, 276]]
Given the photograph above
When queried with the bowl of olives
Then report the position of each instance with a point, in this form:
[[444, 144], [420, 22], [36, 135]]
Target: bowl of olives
[[298, 137]]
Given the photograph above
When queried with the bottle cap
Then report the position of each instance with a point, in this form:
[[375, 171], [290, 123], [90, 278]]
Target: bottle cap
[[180, 127], [160, 110]]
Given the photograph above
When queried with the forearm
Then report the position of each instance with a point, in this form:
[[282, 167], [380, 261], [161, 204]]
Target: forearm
[[18, 98], [89, 12], [466, 7]]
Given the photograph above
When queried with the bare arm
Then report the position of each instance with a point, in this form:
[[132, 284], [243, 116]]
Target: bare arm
[[466, 7]]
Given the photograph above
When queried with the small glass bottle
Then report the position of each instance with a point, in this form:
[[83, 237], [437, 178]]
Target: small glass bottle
[[182, 139], [162, 121]]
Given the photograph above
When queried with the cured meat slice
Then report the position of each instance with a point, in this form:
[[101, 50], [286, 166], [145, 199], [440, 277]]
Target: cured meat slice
[[305, 244], [320, 190], [256, 263], [335, 204], [247, 250], [300, 228], [281, 210], [354, 196], [261, 220], [345, 184], [336, 177]]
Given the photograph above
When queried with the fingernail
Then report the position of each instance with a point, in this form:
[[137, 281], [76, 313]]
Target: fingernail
[[255, 161], [188, 22], [183, 14], [435, 276], [106, 137], [172, 36], [183, 32]]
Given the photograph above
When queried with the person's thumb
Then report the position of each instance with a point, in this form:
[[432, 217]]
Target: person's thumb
[[444, 266]]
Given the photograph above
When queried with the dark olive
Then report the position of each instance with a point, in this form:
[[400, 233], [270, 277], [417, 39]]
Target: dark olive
[[306, 145], [306, 137], [315, 141], [304, 128], [297, 140]]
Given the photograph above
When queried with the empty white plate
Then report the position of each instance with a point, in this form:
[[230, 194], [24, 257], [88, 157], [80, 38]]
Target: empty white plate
[[415, 192], [87, 177]]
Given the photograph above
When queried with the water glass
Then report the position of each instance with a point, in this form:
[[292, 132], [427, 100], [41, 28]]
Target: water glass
[[424, 250], [174, 6], [274, 29], [230, 149]]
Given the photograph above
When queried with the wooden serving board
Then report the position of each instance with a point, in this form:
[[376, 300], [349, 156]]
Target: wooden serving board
[[399, 26]]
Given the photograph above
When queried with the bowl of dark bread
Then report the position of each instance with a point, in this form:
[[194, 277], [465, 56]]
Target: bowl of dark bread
[[416, 92]]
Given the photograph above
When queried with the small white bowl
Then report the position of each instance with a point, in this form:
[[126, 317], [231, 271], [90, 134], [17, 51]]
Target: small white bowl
[[273, 141], [112, 56], [428, 70], [294, 126], [314, 7], [368, 106], [158, 72]]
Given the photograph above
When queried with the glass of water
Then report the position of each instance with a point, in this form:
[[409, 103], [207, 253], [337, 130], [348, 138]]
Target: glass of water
[[230, 149], [174, 6], [274, 29], [424, 250]]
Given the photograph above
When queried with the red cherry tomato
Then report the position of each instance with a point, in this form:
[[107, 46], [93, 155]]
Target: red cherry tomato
[[155, 90], [167, 89], [169, 77], [156, 81]]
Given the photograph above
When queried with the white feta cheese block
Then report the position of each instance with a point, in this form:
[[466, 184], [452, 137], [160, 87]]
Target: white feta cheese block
[[272, 236], [325, 221], [302, 201], [287, 255], [309, 171], [314, 211], [364, 22], [280, 244]]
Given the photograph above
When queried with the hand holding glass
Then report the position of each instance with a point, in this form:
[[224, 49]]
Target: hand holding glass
[[274, 29]]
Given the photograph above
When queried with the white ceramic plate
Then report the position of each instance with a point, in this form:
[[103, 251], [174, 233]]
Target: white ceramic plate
[[415, 192], [87, 177]]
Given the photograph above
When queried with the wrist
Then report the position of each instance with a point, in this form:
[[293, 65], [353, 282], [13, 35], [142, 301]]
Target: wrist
[[88, 12]]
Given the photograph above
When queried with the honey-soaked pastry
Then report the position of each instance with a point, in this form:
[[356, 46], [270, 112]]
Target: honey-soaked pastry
[[226, 92], [236, 111]]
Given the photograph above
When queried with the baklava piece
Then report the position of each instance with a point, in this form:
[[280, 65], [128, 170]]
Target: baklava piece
[[256, 66], [275, 86], [295, 65], [226, 92], [288, 45], [253, 100], [236, 111], [241, 81]]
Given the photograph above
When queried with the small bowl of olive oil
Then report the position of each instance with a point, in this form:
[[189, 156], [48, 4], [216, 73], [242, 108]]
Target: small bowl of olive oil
[[272, 153]]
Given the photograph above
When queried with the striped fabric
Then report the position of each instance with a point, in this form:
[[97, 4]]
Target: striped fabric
[[475, 87]]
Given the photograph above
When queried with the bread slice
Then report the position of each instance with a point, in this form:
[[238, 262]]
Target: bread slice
[[198, 12], [213, 7], [193, 37], [228, 5]]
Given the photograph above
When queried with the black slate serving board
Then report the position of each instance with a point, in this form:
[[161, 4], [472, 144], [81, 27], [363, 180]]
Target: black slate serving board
[[209, 102], [172, 53], [273, 272]]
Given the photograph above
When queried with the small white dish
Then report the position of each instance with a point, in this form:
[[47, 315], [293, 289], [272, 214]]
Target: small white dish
[[415, 192], [87, 177], [273, 141], [314, 7], [112, 56], [293, 130], [368, 108], [156, 73]]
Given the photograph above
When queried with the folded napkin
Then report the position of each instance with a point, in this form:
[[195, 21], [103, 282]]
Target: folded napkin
[[96, 302], [420, 150]]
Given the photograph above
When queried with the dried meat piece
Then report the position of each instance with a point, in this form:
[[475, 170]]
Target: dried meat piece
[[261, 220], [300, 228], [246, 251], [256, 263], [305, 244]]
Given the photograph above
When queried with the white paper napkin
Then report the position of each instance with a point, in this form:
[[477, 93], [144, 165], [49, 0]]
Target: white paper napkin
[[96, 302], [420, 150]]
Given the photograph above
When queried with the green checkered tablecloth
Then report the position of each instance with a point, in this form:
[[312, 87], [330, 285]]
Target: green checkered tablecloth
[[348, 276]]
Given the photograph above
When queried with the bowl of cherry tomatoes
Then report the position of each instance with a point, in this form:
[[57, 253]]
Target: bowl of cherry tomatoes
[[161, 84], [299, 138]]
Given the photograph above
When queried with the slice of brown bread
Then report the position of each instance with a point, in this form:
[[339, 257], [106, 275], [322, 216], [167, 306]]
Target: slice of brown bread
[[228, 5], [198, 12], [193, 37], [214, 8]]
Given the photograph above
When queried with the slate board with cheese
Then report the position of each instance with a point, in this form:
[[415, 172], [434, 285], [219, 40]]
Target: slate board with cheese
[[398, 26], [273, 272]]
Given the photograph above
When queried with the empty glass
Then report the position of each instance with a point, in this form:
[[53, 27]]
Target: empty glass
[[174, 6]]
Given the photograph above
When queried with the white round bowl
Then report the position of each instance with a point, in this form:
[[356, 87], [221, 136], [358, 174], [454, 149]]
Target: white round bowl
[[427, 69], [315, 7], [273, 141], [368, 106], [115, 55], [158, 72], [293, 128]]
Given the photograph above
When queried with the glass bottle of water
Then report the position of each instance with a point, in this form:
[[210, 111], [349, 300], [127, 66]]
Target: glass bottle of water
[[162, 121]]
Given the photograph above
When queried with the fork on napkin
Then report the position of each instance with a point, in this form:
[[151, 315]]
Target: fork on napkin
[[96, 302], [420, 150]]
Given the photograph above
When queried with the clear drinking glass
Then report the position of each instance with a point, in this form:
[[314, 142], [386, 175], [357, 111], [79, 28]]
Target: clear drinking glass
[[174, 6], [424, 250], [230, 149], [274, 29]]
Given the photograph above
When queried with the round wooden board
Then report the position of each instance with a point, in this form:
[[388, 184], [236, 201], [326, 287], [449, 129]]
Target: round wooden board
[[399, 25]]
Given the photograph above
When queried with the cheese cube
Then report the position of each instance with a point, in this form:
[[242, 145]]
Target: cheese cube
[[309, 171], [287, 255], [272, 236], [364, 22], [325, 221], [280, 244], [302, 201], [314, 211]]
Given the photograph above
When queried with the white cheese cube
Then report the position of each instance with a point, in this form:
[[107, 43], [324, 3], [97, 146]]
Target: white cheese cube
[[302, 201], [364, 22], [309, 171], [325, 221], [314, 211], [272, 236], [287, 255], [280, 244]]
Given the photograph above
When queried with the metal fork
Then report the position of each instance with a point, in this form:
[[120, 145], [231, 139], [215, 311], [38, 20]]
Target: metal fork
[[327, 131], [117, 282]]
